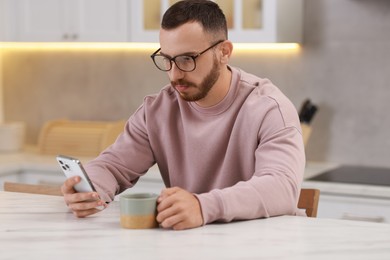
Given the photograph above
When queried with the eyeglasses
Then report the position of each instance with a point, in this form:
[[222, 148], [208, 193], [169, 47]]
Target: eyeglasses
[[184, 63]]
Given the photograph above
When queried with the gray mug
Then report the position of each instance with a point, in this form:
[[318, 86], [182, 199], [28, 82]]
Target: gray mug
[[138, 210]]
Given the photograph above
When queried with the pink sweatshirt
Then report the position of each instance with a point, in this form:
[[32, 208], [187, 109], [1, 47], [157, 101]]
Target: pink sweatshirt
[[243, 158]]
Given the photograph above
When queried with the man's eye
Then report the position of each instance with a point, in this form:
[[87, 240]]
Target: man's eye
[[184, 59], [165, 59]]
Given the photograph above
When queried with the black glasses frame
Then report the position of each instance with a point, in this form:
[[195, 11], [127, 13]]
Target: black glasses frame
[[193, 57]]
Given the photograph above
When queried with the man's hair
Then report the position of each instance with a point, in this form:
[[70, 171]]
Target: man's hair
[[205, 12]]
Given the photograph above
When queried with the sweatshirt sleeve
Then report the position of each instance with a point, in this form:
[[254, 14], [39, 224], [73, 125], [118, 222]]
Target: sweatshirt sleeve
[[121, 165], [274, 187]]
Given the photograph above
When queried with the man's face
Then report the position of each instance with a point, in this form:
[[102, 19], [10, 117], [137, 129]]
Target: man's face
[[189, 39], [191, 91]]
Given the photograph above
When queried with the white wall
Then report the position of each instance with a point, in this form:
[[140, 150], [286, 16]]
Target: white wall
[[1, 88], [344, 67], [2, 36]]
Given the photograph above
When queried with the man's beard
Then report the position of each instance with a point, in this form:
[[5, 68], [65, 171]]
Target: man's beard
[[205, 86]]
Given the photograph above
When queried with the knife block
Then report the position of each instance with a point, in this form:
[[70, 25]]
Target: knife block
[[306, 132]]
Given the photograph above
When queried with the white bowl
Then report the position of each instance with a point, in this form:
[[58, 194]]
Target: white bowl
[[12, 136]]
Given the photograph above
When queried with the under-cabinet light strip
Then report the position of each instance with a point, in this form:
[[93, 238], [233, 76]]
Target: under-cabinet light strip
[[137, 46]]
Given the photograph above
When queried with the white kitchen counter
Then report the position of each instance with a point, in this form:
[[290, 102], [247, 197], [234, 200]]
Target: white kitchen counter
[[31, 167], [337, 200], [315, 168], [348, 201], [25, 166], [13, 162], [31, 161]]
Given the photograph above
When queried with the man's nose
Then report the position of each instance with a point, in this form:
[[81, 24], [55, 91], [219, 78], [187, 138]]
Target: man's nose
[[175, 73]]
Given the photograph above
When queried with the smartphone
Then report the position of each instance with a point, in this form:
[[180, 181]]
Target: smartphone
[[73, 167]]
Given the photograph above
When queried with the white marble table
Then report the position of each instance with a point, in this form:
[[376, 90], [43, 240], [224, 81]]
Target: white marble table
[[41, 227]]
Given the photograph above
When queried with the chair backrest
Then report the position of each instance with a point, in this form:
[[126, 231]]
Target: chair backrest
[[78, 138], [33, 188], [308, 200]]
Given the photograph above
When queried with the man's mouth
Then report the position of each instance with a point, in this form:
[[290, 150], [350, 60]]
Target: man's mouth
[[181, 88]]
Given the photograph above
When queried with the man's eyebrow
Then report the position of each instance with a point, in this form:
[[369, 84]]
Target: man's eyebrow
[[191, 53], [165, 55]]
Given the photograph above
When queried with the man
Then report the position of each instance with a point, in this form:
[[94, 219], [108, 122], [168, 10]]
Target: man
[[228, 144]]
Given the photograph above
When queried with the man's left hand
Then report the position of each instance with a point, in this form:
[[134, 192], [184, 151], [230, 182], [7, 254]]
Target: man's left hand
[[178, 209]]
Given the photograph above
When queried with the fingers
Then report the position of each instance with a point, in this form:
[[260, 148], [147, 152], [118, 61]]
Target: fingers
[[176, 222], [165, 193], [82, 204], [166, 209], [86, 208], [68, 185], [77, 197], [178, 209]]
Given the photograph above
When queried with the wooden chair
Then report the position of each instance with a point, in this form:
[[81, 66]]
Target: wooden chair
[[33, 188], [308, 200]]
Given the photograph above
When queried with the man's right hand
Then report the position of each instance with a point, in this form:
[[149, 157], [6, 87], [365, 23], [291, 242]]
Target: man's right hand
[[82, 204]]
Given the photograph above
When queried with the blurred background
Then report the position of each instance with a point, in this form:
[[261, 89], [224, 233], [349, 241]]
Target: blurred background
[[342, 65]]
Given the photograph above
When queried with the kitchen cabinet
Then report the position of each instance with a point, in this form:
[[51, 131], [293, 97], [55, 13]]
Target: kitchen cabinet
[[352, 192], [3, 19], [249, 21], [67, 20], [348, 200], [354, 208]]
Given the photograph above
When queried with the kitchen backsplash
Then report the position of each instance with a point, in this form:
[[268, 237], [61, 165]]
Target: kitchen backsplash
[[343, 67], [1, 88]]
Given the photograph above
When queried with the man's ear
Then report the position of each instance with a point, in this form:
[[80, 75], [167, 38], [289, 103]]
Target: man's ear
[[226, 50]]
